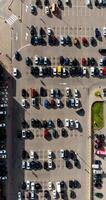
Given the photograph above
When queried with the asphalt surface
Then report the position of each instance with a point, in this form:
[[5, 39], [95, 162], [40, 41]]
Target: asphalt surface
[[77, 21]]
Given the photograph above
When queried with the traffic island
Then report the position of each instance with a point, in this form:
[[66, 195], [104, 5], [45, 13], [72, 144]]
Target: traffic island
[[97, 115]]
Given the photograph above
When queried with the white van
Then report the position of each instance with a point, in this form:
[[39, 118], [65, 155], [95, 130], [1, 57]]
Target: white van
[[95, 166]]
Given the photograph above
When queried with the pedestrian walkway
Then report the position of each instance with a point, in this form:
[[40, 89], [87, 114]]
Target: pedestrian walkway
[[11, 19]]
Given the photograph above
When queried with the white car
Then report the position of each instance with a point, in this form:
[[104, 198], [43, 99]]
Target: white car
[[3, 105], [36, 60], [52, 93], [61, 153], [71, 123], [67, 91], [40, 71], [47, 11], [58, 103], [32, 195], [23, 103], [92, 71], [49, 185], [76, 124], [28, 185], [104, 31], [23, 164], [58, 186], [32, 186], [19, 195], [67, 122], [76, 93], [62, 40], [54, 194], [24, 134], [2, 125], [84, 71], [15, 72], [101, 62], [49, 31], [64, 72], [45, 60], [32, 154], [49, 154], [33, 102], [54, 71], [76, 102], [3, 112], [50, 163], [28, 166]]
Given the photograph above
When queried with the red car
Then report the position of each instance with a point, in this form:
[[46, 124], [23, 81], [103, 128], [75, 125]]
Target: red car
[[84, 61], [34, 93], [46, 133], [53, 103], [84, 41]]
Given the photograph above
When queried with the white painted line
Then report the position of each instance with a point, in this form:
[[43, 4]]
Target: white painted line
[[26, 36], [26, 8], [63, 83], [16, 36]]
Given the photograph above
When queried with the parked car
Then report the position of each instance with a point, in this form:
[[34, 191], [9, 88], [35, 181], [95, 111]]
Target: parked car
[[15, 72]]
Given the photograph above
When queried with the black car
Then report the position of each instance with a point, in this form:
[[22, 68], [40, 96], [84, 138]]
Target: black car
[[43, 92], [66, 61], [59, 122], [102, 51], [66, 154], [46, 194], [61, 60], [36, 71], [62, 185], [23, 186], [72, 194], [17, 55], [44, 124], [28, 61], [68, 40], [38, 187], [88, 61], [98, 185], [46, 2], [33, 10], [98, 162], [33, 30], [76, 163], [33, 71], [33, 123], [97, 33], [93, 61], [24, 93], [25, 124], [59, 3], [71, 184], [92, 40], [72, 155], [63, 132], [75, 62]]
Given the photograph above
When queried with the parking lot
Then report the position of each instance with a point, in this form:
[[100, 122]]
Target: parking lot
[[76, 20]]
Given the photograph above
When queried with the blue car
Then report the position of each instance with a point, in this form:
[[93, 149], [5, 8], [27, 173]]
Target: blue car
[[97, 32], [46, 103]]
